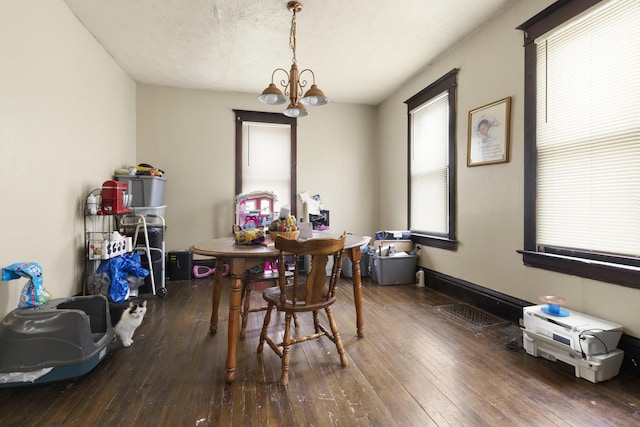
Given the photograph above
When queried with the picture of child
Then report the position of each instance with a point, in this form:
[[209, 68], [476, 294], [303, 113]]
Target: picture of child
[[487, 135]]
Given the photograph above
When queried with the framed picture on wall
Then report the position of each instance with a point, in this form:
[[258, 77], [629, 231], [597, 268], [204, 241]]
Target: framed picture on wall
[[489, 133]]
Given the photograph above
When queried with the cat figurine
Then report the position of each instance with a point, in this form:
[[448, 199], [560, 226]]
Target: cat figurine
[[126, 319]]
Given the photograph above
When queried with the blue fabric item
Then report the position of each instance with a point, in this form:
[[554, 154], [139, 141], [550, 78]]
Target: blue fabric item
[[118, 268]]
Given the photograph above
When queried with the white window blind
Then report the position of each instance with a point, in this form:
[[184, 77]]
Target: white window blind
[[429, 165], [588, 132], [266, 160]]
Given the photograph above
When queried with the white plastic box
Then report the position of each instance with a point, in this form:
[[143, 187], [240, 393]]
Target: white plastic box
[[147, 191]]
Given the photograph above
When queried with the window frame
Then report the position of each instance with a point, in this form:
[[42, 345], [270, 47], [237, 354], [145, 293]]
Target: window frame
[[610, 269], [242, 116], [448, 82]]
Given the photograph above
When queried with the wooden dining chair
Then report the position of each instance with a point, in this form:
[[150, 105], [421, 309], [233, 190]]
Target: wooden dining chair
[[250, 278], [305, 294]]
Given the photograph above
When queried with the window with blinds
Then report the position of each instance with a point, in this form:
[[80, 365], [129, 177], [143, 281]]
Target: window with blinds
[[266, 156], [266, 147], [582, 140], [588, 132], [429, 166], [431, 145]]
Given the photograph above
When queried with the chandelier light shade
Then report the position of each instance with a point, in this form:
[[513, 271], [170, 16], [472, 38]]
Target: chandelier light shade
[[292, 84]]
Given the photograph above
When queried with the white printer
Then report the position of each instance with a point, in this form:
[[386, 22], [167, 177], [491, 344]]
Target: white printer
[[587, 343]]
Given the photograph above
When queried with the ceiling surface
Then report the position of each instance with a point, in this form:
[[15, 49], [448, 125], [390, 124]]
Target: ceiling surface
[[360, 51]]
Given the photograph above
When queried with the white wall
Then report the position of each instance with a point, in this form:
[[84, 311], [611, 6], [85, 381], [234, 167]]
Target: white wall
[[490, 198], [190, 134], [67, 119]]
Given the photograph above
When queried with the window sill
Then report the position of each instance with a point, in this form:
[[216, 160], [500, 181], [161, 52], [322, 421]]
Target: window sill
[[618, 274], [435, 241]]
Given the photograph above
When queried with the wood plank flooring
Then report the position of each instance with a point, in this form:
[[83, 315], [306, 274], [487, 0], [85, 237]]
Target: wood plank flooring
[[415, 367]]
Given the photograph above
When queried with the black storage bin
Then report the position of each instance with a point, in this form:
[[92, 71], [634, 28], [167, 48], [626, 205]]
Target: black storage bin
[[157, 262], [156, 236], [179, 265]]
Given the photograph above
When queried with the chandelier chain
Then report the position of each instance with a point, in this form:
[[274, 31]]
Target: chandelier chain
[[292, 36]]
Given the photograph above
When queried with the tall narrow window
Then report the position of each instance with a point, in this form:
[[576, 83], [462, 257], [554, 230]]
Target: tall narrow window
[[431, 116], [266, 156], [265, 160], [583, 185]]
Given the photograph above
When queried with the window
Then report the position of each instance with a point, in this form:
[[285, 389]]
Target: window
[[266, 155], [582, 140], [432, 123]]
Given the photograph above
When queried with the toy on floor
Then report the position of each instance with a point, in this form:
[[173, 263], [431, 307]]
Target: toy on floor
[[200, 271]]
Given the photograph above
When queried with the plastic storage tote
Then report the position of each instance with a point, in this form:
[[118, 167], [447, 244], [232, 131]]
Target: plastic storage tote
[[147, 191], [395, 269]]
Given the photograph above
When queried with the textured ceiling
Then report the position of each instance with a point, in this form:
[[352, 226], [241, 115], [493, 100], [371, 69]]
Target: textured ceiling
[[360, 51]]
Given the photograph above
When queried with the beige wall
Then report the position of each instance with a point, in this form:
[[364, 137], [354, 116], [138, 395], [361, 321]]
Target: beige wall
[[67, 119], [490, 198], [190, 134]]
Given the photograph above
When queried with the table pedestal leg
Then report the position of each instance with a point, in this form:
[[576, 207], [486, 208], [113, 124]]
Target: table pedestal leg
[[237, 270], [355, 255], [215, 299]]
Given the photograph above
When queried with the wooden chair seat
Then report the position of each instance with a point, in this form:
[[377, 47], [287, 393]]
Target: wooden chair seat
[[313, 293]]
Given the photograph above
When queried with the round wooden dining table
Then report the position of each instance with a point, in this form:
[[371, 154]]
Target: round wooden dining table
[[243, 257]]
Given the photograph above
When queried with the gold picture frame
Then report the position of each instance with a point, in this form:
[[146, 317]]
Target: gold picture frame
[[489, 130]]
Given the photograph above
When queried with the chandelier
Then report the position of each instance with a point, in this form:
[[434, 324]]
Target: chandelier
[[292, 84]]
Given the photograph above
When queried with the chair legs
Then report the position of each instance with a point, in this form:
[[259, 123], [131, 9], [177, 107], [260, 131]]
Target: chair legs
[[286, 350], [265, 326], [245, 304], [316, 322], [283, 349], [336, 337]]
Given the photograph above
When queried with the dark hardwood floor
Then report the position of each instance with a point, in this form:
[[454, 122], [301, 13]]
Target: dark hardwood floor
[[415, 367]]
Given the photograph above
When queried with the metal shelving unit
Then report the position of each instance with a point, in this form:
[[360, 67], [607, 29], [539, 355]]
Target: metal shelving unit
[[111, 235]]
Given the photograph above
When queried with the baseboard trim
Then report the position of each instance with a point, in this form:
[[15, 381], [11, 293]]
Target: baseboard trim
[[510, 308]]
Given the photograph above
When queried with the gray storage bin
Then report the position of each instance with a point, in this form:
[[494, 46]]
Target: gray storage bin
[[347, 266], [147, 191], [394, 270]]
